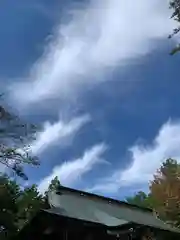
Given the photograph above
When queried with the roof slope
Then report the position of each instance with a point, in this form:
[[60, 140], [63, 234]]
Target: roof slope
[[97, 209]]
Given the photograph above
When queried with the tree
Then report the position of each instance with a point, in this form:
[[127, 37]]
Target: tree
[[17, 206], [165, 191], [29, 203], [14, 138], [54, 185], [9, 192], [141, 199], [175, 6]]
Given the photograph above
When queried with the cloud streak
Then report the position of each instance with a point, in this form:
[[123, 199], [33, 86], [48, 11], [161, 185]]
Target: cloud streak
[[58, 133], [102, 35], [145, 160], [71, 171]]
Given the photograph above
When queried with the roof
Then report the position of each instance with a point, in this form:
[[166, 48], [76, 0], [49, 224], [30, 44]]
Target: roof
[[97, 209], [63, 189]]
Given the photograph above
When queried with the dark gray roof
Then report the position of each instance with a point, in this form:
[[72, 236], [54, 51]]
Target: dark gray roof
[[111, 213]]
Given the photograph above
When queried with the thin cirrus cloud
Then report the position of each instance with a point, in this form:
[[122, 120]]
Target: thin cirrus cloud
[[71, 171], [145, 160], [59, 133], [101, 35]]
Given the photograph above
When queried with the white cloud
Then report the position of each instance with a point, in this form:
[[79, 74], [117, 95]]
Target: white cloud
[[69, 172], [104, 34], [57, 133], [145, 160]]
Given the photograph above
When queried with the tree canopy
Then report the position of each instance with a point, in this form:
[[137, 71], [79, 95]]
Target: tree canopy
[[54, 185], [164, 193], [19, 205]]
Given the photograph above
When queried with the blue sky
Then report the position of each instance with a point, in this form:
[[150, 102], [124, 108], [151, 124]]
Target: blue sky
[[98, 78]]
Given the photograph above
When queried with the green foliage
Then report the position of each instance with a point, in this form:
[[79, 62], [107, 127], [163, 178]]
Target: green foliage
[[141, 199], [14, 138], [165, 190], [17, 206], [54, 185], [9, 192], [28, 204], [175, 6], [164, 193]]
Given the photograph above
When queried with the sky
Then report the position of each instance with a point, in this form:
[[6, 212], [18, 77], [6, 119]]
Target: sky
[[97, 76]]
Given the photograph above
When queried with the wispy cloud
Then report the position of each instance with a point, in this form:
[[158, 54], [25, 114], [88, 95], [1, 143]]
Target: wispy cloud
[[57, 133], [145, 160], [101, 35], [71, 171], [60, 133]]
